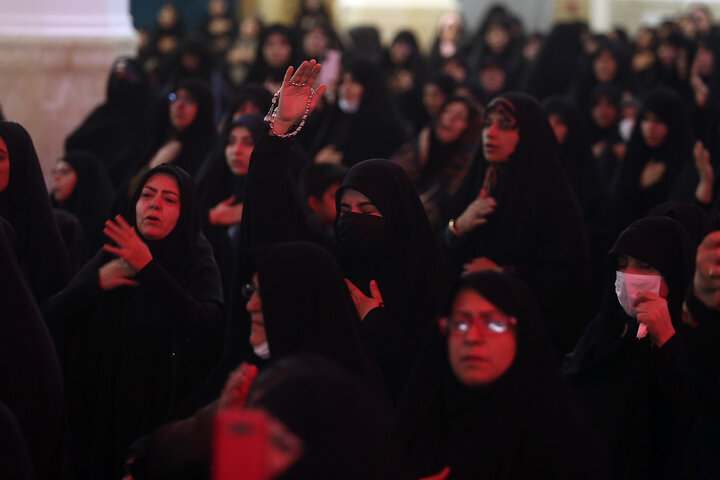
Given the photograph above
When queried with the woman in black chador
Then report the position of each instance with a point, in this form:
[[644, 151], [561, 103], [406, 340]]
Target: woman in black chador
[[24, 203], [137, 327], [221, 189], [384, 241], [516, 211], [629, 369], [117, 130], [487, 398], [31, 385]]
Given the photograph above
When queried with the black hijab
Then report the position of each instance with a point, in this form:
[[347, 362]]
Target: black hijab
[[375, 130], [30, 379], [343, 427], [26, 206], [92, 197], [575, 154], [261, 72], [412, 275], [522, 425], [625, 386], [117, 130], [675, 152], [536, 230]]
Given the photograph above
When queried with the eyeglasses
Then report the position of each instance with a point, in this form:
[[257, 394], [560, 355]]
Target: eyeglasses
[[248, 289], [174, 97], [460, 325]]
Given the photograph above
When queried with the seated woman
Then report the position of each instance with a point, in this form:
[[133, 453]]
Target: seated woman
[[516, 211], [629, 369], [297, 303], [438, 159], [384, 242], [24, 203], [487, 398], [145, 311]]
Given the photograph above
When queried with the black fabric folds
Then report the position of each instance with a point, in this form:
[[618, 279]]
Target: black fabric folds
[[26, 206]]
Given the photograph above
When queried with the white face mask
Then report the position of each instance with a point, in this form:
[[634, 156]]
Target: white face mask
[[262, 350], [627, 287], [348, 107], [625, 128]]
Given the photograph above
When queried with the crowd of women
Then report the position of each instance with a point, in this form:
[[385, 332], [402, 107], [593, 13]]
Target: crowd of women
[[499, 260]]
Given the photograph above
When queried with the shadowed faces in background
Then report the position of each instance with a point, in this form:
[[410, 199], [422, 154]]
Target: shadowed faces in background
[[452, 122], [64, 181], [183, 109], [500, 133], [240, 145]]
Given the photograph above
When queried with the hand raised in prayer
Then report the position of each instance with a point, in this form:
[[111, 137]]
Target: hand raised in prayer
[[225, 213], [363, 303], [706, 283], [480, 264], [295, 92], [116, 273], [129, 245], [652, 310], [704, 190], [475, 213], [166, 154], [439, 476], [651, 174], [238, 385]]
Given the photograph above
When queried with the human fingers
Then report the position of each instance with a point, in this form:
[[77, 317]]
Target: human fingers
[[287, 77], [646, 297], [303, 72], [127, 282], [114, 235], [354, 291], [314, 72], [318, 95], [229, 200], [299, 73], [375, 291], [112, 249], [122, 222]]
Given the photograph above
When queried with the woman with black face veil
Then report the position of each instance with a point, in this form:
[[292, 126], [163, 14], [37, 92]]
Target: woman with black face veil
[[297, 303], [184, 133], [384, 241], [24, 203], [516, 211], [658, 165], [363, 123], [630, 368], [487, 398], [137, 328], [81, 186], [117, 130], [30, 378], [221, 189]]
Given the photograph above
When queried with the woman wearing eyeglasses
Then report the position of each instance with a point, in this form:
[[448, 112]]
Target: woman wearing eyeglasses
[[487, 399]]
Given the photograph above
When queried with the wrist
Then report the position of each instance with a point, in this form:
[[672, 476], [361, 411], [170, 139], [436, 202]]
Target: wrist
[[454, 227], [280, 127]]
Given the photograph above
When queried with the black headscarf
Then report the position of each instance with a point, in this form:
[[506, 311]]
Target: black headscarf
[[344, 429], [626, 387], [92, 197], [375, 130], [524, 424], [30, 379], [536, 230], [261, 72], [413, 277], [575, 154], [115, 343], [695, 220], [675, 152], [587, 80], [117, 130], [26, 206]]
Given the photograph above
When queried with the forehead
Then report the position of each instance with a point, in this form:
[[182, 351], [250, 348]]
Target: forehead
[[501, 108], [456, 107], [468, 300], [239, 132], [163, 182], [351, 196]]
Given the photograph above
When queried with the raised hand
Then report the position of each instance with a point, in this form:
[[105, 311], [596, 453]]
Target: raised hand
[[706, 283], [294, 95], [238, 385], [651, 174], [129, 245], [652, 310], [363, 303], [475, 213], [704, 190]]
